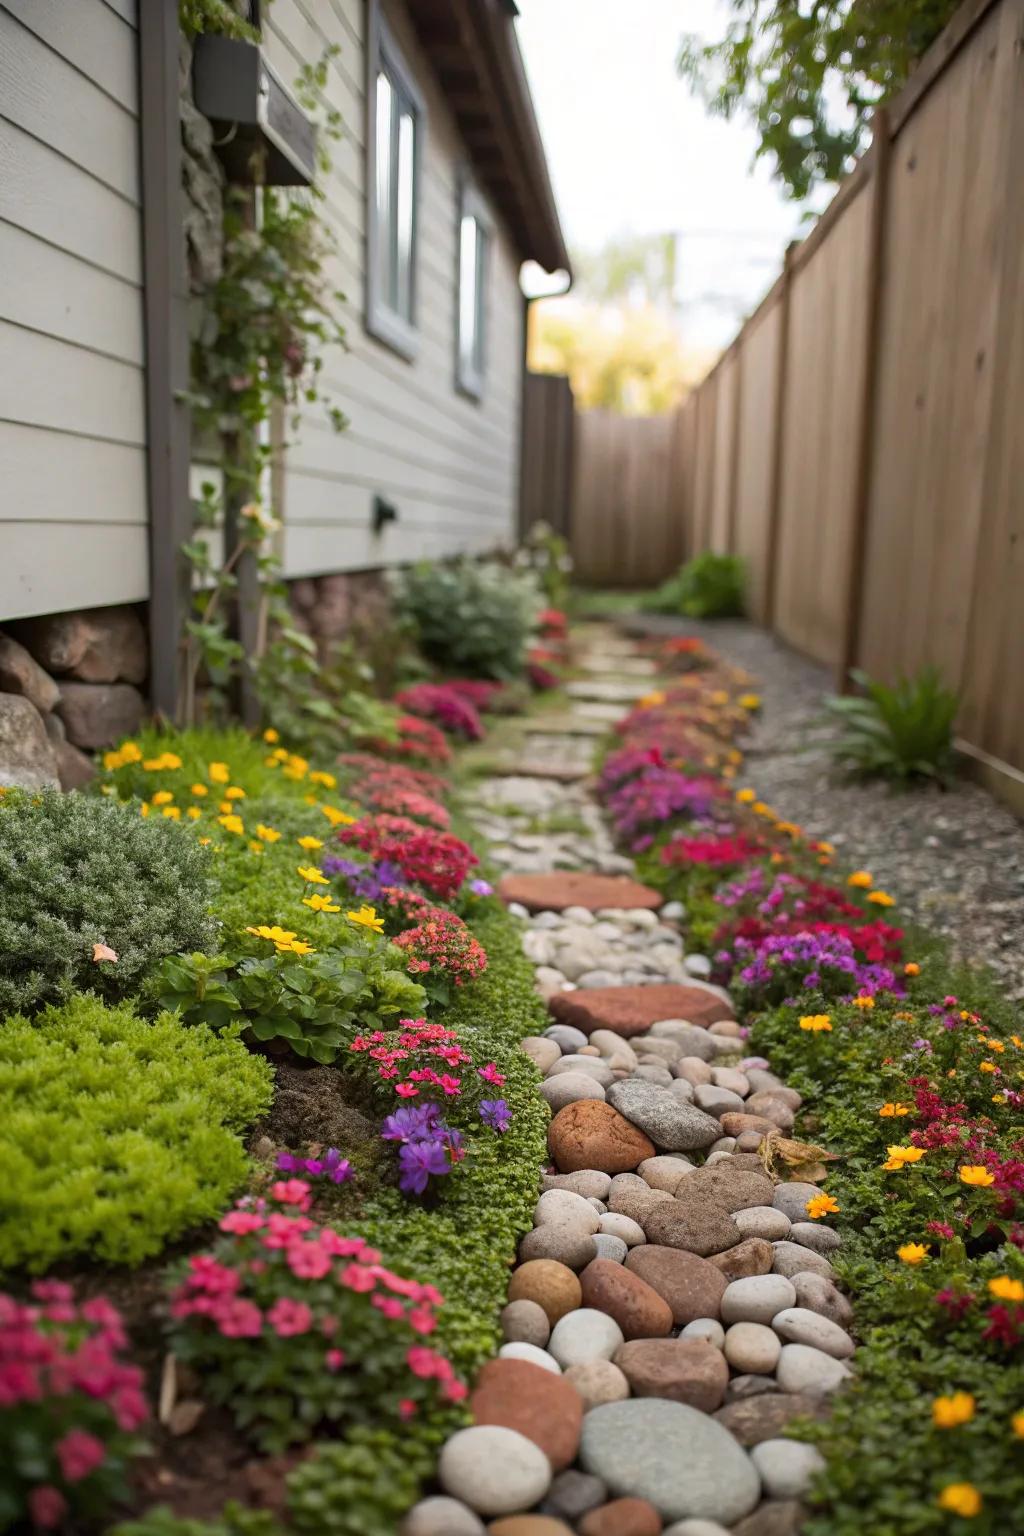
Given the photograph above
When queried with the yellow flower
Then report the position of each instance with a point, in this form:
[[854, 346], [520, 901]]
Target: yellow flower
[[162, 797], [199, 790], [987, 1066], [271, 762], [144, 808], [367, 918], [193, 813], [158, 764], [997, 1046], [220, 773], [266, 834], [816, 1022], [255, 847], [172, 812], [275, 934], [232, 824], [900, 1156], [1017, 1423], [888, 1110], [749, 701], [320, 904], [309, 799], [226, 808], [112, 760], [282, 754], [1005, 1289], [760, 809], [746, 796], [131, 752], [652, 700], [863, 1002], [913, 1253], [822, 847], [204, 842], [295, 767], [821, 1205], [911, 968], [234, 793], [860, 878], [960, 1499], [270, 735], [312, 875], [326, 779], [298, 947], [335, 817], [881, 899], [976, 1175], [952, 1411], [309, 843]]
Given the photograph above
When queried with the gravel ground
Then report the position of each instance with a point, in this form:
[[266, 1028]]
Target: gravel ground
[[954, 859]]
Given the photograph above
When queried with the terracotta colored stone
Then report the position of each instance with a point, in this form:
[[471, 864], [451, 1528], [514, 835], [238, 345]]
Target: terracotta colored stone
[[735, 1122], [529, 1525], [590, 1134], [632, 1010], [99, 714], [576, 888], [734, 1189], [754, 1419], [637, 1308], [622, 1517], [540, 1405], [691, 1286], [99, 645], [754, 1256], [551, 1285], [688, 1371], [774, 1517], [700, 1226]]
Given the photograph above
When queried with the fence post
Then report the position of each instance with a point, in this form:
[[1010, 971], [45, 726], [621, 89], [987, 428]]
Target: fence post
[[734, 446], [881, 155], [775, 494]]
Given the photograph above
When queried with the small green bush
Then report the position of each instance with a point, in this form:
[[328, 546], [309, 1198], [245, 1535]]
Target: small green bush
[[709, 586], [901, 733], [470, 619], [76, 871], [117, 1135]]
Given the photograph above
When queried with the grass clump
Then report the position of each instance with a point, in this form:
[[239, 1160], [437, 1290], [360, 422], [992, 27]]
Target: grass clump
[[709, 586], [900, 733]]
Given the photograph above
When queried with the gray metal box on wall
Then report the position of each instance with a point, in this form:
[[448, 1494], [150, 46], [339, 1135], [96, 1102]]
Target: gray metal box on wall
[[256, 115]]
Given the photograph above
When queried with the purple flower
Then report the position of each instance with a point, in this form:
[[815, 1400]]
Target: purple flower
[[496, 1114], [413, 1122], [289, 1164], [481, 887], [366, 882], [420, 1160], [337, 1168]]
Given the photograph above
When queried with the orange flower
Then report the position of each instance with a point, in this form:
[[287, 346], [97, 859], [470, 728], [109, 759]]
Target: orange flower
[[977, 1176]]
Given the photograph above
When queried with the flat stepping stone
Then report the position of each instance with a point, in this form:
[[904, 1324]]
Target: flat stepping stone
[[608, 691], [571, 888], [606, 712], [560, 773], [562, 725], [632, 1010]]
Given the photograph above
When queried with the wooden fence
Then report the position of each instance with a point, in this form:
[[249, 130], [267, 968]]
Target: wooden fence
[[860, 443], [624, 529], [546, 475]]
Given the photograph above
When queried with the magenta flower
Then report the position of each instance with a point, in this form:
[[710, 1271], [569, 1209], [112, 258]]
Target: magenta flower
[[496, 1114], [420, 1161]]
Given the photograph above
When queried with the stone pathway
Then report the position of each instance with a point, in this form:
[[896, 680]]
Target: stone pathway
[[673, 1308]]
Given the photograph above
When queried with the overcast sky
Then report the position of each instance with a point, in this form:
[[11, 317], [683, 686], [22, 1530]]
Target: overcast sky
[[632, 151]]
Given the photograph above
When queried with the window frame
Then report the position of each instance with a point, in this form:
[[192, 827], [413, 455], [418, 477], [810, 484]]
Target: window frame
[[469, 378], [383, 55]]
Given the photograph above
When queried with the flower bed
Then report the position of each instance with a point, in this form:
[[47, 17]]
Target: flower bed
[[911, 1077]]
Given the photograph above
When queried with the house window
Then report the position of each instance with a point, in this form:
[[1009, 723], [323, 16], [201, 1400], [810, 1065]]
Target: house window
[[473, 245], [394, 150]]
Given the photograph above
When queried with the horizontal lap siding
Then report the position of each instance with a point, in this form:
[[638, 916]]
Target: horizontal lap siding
[[72, 408], [448, 464]]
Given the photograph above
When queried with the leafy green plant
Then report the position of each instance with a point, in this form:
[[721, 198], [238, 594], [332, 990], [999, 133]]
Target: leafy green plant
[[709, 586], [470, 618], [116, 1134], [547, 553], [235, 1520], [92, 895], [900, 733]]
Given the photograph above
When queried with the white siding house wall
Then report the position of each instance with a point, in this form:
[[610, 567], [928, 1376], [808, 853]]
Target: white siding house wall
[[73, 508], [449, 464]]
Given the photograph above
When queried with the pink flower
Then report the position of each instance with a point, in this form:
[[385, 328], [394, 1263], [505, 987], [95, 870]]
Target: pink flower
[[355, 1278], [420, 1361], [341, 1247], [52, 1290], [448, 1084], [390, 1306], [406, 1408], [406, 1090], [19, 1383], [47, 1506], [288, 1317], [130, 1409], [79, 1454], [422, 1320], [490, 1073], [308, 1261], [292, 1192], [241, 1222], [334, 1359], [237, 1319], [454, 1391]]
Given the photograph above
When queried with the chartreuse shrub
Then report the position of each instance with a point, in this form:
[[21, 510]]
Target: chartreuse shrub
[[900, 733], [91, 895], [117, 1135], [709, 586], [470, 618]]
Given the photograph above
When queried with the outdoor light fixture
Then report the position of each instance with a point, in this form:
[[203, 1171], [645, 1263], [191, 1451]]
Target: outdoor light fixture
[[263, 136], [383, 513]]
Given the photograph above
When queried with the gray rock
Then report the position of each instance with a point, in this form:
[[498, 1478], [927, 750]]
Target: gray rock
[[811, 1234], [560, 1240], [27, 758], [672, 912], [19, 673], [568, 1087], [694, 1041], [698, 965], [677, 1458], [566, 1037], [612, 1045], [804, 1369], [752, 1348], [787, 1467], [598, 978], [695, 1528], [588, 1182], [742, 1389], [665, 1050], [799, 1325], [756, 1298], [539, 948], [760, 1079], [666, 1172], [693, 1069], [74, 769], [591, 1066], [525, 1322], [564, 1205], [716, 1101], [792, 1199], [496, 1471], [696, 1225], [682, 1090], [705, 1328], [790, 1259], [532, 1354], [731, 1078], [99, 714], [763, 1221], [820, 1295], [573, 1493], [610, 1247], [624, 1227], [584, 1335], [651, 1072], [671, 1125], [581, 916], [516, 909], [774, 1517], [546, 919], [441, 1517], [543, 1053]]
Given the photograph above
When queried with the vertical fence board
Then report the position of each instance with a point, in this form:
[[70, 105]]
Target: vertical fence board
[[545, 484], [756, 452]]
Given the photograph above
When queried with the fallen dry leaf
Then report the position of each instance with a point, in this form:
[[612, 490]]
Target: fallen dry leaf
[[103, 952], [800, 1160], [185, 1416]]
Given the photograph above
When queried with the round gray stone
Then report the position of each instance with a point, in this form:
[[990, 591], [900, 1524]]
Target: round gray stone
[[566, 1037], [617, 1225], [565, 1205], [562, 1240], [792, 1199], [694, 1041], [569, 1087], [590, 1066], [791, 1258], [763, 1221], [441, 1517], [756, 1298], [705, 1328], [717, 1101], [573, 1493], [543, 1053], [811, 1234], [677, 1458], [752, 1348], [525, 1322], [588, 1182], [820, 1295], [609, 1247], [799, 1325], [695, 1528], [787, 1467], [496, 1471], [804, 1369], [584, 1335], [671, 1124]]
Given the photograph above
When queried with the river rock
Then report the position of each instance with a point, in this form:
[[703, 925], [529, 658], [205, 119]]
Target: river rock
[[816, 1236], [820, 1295], [716, 1101], [678, 1458], [672, 1125], [573, 1493], [708, 1328], [763, 1221], [637, 1203], [764, 1417], [610, 1247], [598, 1382], [753, 1256], [752, 1348], [775, 1517], [494, 1470], [616, 1225], [588, 1182], [787, 1467], [27, 756], [564, 1205], [563, 1241], [589, 1134], [578, 1063], [770, 1107], [637, 1308], [735, 1123], [731, 1078], [533, 1354], [566, 1037], [440, 1516], [699, 1227], [583, 1335], [791, 1258], [733, 1188], [799, 1325], [569, 1088], [545, 1408], [543, 1053], [804, 1369], [665, 1172], [525, 1322], [552, 1286], [529, 1525], [622, 1517], [685, 1370], [691, 1286], [792, 1199], [692, 1069], [756, 1299]]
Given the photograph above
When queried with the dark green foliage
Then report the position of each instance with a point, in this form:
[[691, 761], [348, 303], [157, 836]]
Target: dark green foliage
[[810, 76], [470, 619], [77, 871], [900, 733], [709, 586], [235, 1520], [117, 1135], [361, 1487]]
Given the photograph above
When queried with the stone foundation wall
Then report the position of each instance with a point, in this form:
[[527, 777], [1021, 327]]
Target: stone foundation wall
[[70, 683], [331, 608]]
